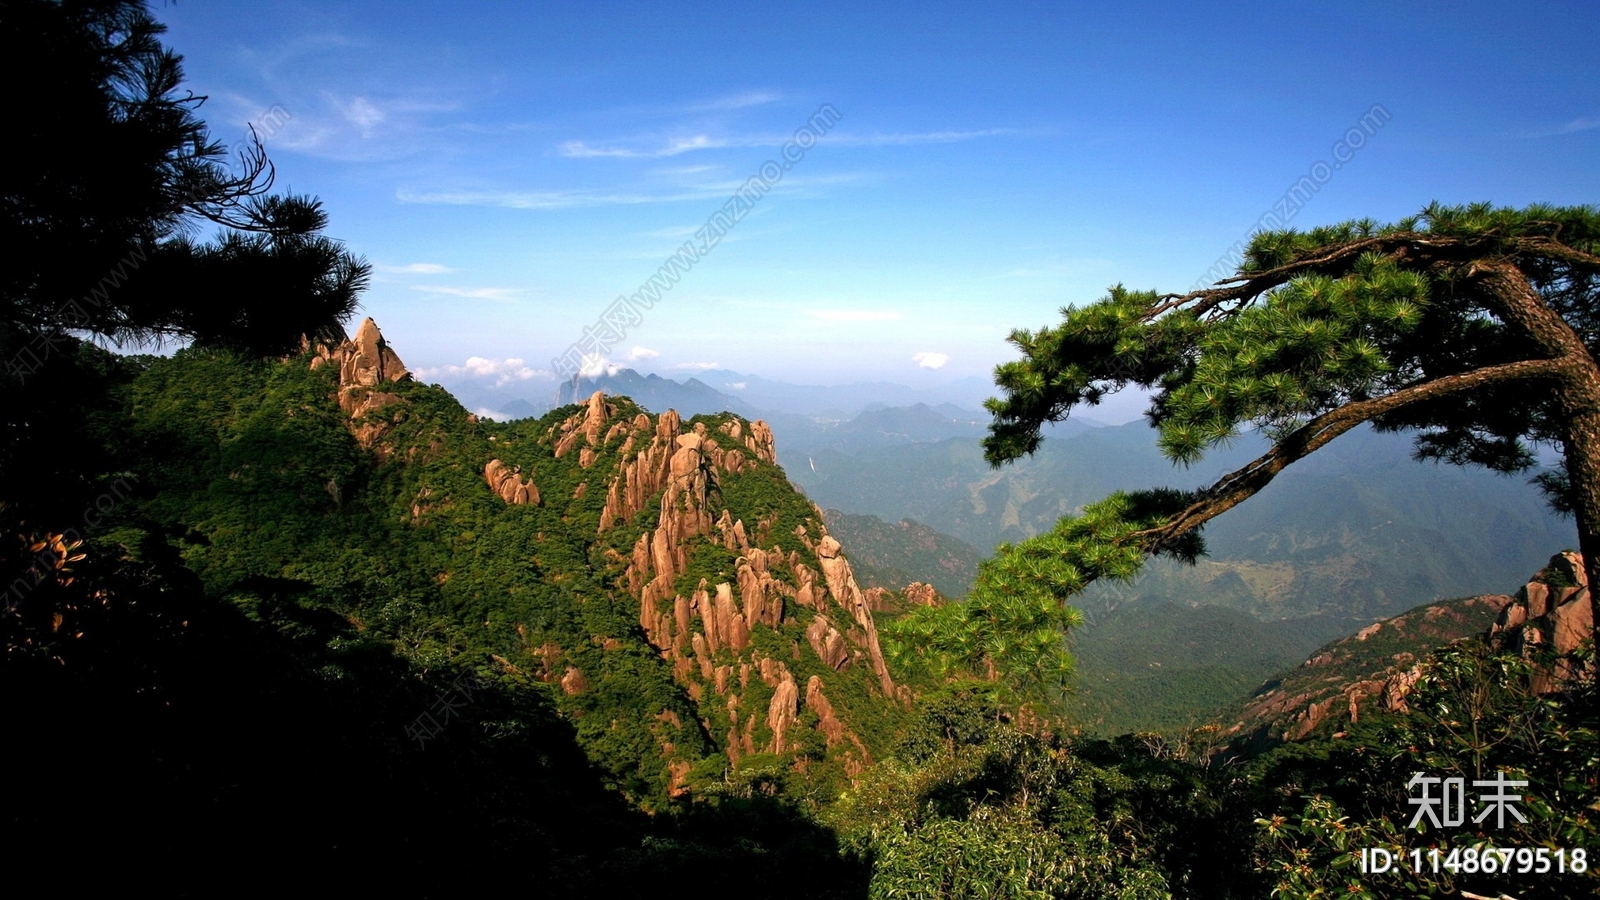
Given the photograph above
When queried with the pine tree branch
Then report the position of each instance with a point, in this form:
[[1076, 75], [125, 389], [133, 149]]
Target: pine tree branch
[[1241, 484], [1254, 285], [1414, 246], [1544, 246]]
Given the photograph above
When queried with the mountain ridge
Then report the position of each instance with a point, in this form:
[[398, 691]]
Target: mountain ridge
[[671, 498], [1376, 667]]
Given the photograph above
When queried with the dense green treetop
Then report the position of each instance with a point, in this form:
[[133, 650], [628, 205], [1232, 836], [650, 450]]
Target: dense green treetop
[[112, 179]]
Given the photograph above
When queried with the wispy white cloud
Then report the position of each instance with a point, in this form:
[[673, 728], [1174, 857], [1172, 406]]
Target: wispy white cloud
[[269, 61], [360, 112], [854, 315], [673, 147], [683, 171], [924, 137], [656, 148], [581, 150], [931, 360], [574, 199], [735, 101], [502, 371], [638, 353], [360, 126], [647, 189], [416, 269], [696, 365], [498, 295], [553, 199], [1587, 123]]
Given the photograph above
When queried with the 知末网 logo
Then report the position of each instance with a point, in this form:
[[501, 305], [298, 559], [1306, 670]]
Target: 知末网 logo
[[1447, 808]]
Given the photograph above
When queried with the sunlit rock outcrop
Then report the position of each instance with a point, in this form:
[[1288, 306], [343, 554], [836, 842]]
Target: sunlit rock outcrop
[[1551, 612], [506, 481], [706, 628], [365, 363]]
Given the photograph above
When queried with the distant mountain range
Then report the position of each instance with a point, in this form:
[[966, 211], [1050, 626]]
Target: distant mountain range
[[1357, 532], [846, 400], [719, 390], [690, 398], [1352, 531], [1347, 535]]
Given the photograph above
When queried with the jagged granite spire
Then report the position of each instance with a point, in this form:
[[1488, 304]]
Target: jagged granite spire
[[366, 360]]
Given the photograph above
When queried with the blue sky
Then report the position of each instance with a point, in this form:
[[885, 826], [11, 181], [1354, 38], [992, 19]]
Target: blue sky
[[509, 169]]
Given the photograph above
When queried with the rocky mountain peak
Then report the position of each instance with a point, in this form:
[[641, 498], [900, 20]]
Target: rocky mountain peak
[[365, 360], [707, 629], [365, 363]]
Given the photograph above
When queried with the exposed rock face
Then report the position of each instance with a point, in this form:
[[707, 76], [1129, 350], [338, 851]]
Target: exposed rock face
[[842, 585], [761, 594], [884, 600], [365, 362], [706, 632], [369, 361], [573, 682], [828, 643], [595, 416], [1395, 689], [833, 730], [361, 404], [683, 471], [758, 438], [588, 425], [643, 474], [1552, 611], [506, 481], [782, 711], [1369, 667]]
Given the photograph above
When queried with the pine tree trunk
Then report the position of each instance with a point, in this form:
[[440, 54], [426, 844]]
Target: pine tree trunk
[[1582, 402], [1579, 395]]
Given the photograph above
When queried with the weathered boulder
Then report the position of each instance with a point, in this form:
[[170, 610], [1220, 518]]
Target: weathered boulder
[[781, 712], [922, 594], [506, 481], [1552, 611], [573, 682], [828, 643]]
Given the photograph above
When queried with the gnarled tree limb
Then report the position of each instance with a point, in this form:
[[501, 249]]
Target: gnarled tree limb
[[1241, 484]]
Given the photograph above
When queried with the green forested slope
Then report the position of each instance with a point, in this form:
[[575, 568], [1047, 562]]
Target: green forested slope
[[892, 555], [279, 596], [1154, 666]]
